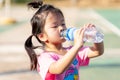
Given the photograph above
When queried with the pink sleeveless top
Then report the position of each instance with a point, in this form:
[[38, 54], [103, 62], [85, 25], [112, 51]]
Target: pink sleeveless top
[[72, 73]]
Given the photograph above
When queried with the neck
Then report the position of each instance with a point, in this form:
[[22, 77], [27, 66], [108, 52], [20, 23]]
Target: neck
[[55, 48]]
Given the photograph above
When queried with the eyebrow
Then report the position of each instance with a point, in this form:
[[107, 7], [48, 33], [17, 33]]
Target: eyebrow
[[61, 21]]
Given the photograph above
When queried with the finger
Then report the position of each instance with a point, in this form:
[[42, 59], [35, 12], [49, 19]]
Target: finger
[[91, 25], [87, 25], [82, 32]]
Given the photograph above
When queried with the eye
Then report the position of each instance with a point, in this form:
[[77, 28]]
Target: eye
[[63, 24], [55, 26]]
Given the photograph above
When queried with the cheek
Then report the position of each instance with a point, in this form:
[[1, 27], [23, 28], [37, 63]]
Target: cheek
[[54, 37], [53, 34]]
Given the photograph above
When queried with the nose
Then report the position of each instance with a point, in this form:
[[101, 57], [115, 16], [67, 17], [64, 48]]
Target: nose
[[62, 28]]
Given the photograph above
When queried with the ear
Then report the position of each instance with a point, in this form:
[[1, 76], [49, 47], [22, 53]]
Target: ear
[[42, 37]]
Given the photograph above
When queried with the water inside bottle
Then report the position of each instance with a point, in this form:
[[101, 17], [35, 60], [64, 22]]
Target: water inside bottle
[[93, 35]]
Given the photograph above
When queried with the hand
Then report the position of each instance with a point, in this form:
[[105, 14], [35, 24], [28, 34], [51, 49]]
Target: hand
[[78, 37], [89, 26]]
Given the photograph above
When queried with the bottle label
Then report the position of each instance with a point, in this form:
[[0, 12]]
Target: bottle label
[[90, 35]]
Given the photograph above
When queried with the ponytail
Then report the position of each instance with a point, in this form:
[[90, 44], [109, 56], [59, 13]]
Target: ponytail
[[38, 23], [29, 48]]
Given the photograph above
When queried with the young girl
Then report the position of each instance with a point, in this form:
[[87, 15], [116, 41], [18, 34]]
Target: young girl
[[57, 62]]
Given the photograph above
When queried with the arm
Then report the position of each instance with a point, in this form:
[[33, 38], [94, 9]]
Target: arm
[[63, 63], [96, 50]]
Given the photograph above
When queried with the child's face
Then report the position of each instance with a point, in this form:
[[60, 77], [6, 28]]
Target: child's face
[[54, 24]]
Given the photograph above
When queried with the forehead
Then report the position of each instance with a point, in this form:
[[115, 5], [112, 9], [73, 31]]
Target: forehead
[[54, 16]]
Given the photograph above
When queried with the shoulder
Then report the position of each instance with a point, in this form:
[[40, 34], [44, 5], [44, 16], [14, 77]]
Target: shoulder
[[48, 56], [84, 48], [83, 56], [43, 54]]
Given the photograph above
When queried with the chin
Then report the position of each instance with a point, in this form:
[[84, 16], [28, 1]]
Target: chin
[[63, 40]]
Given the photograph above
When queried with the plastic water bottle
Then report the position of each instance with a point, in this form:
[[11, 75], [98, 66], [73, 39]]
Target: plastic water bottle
[[91, 34]]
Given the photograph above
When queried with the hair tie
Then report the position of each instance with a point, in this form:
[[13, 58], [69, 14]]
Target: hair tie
[[34, 47], [31, 36], [35, 4]]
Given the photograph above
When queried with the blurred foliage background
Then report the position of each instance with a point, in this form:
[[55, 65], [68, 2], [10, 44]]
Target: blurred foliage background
[[81, 3], [20, 1], [15, 28]]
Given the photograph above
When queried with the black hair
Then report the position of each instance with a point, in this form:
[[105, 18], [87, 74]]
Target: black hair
[[37, 23]]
